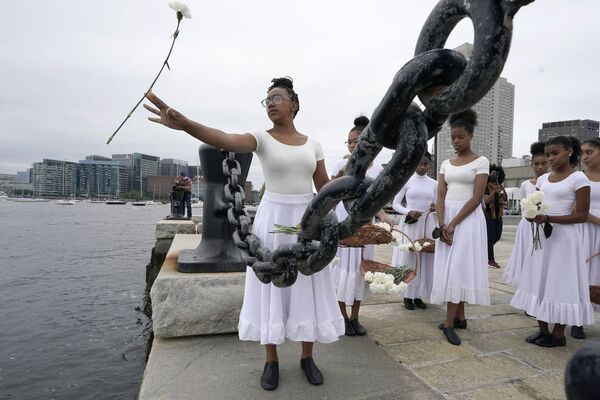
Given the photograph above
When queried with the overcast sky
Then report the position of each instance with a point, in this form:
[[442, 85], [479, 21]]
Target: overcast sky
[[71, 70]]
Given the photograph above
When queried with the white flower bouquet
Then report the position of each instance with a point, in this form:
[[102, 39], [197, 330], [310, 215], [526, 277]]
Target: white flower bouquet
[[416, 246], [389, 282], [532, 206]]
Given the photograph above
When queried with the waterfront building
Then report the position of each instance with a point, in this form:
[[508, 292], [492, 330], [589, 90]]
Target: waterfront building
[[55, 178], [24, 176], [140, 167], [493, 136], [172, 167], [582, 129], [102, 177]]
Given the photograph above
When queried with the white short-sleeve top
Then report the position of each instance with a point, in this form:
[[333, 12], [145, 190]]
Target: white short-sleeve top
[[287, 169], [560, 196], [373, 171], [527, 188], [460, 180]]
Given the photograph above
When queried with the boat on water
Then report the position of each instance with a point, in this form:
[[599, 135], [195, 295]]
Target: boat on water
[[139, 203], [154, 203], [27, 200], [64, 202], [115, 202]]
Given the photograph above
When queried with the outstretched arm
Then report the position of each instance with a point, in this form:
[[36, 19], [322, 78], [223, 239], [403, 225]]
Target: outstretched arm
[[173, 119]]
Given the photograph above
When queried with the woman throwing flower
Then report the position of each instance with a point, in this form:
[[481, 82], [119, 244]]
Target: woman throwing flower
[[554, 287], [460, 273], [307, 311]]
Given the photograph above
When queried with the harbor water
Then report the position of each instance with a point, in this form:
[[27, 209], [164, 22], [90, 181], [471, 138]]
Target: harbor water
[[72, 283]]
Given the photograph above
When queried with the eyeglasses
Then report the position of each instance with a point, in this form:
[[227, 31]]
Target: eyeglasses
[[277, 99], [353, 141]]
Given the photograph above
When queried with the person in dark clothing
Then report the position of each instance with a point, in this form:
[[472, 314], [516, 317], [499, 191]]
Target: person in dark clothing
[[185, 183], [494, 199]]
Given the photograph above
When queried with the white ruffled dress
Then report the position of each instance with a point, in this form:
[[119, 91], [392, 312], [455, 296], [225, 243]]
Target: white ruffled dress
[[554, 286]]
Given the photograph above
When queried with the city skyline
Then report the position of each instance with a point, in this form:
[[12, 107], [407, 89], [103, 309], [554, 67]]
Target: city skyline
[[222, 64]]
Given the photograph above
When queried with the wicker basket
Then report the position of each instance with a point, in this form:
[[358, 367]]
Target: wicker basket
[[431, 247], [367, 234], [375, 266], [594, 289]]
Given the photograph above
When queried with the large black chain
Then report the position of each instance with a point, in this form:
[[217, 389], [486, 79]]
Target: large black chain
[[445, 82]]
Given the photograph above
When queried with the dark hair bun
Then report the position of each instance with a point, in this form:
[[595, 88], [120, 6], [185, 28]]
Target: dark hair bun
[[537, 148], [285, 82], [361, 121], [468, 116]]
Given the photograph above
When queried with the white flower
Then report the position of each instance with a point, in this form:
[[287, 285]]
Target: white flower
[[418, 246], [336, 261], [425, 244], [384, 225], [369, 276], [181, 8]]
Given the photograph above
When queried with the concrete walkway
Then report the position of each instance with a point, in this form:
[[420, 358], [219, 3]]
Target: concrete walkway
[[404, 356]]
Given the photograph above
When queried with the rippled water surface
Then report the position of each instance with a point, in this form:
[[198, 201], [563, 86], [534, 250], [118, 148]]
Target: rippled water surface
[[72, 281]]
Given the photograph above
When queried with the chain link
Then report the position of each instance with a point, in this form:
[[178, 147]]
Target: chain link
[[397, 124]]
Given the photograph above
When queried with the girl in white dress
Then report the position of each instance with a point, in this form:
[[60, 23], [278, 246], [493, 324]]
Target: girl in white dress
[[351, 287], [306, 311], [421, 193], [460, 271], [554, 286], [590, 231], [521, 251]]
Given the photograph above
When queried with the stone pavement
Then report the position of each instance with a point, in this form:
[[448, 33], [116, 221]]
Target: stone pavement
[[404, 356], [493, 361]]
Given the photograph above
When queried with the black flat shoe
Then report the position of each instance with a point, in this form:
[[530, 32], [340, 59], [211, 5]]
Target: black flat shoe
[[419, 303], [358, 328], [313, 375], [577, 332], [535, 337], [408, 304], [349, 328], [551, 341], [451, 335], [460, 324], [270, 376]]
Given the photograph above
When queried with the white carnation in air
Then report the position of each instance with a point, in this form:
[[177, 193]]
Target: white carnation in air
[[181, 8]]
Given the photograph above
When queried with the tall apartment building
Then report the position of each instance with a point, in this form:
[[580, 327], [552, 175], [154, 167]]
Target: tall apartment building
[[493, 136], [55, 178], [102, 177], [139, 166], [582, 129], [172, 167]]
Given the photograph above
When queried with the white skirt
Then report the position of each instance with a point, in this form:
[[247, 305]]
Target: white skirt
[[461, 271], [554, 286], [520, 253], [347, 276], [306, 311], [590, 234], [420, 286]]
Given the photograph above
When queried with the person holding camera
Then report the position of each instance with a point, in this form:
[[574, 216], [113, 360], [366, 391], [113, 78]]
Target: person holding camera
[[494, 199]]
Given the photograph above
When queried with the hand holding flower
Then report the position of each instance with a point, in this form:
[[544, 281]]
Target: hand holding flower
[[540, 219]]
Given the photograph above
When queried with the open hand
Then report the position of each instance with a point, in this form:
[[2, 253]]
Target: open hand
[[168, 116]]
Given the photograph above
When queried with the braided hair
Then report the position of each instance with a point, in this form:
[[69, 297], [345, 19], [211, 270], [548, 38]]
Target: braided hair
[[286, 83], [568, 142]]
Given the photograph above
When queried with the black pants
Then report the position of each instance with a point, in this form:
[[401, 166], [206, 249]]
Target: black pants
[[187, 201], [494, 233]]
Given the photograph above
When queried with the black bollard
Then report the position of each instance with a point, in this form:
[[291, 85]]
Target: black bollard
[[177, 204], [216, 251], [582, 375]]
